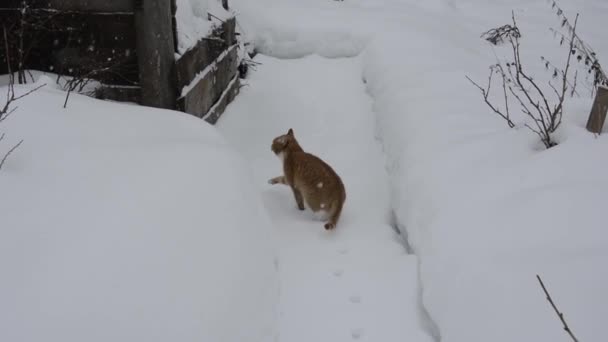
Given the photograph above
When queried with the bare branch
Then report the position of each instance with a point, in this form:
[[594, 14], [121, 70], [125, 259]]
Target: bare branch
[[554, 89], [557, 312], [28, 92], [486, 93], [9, 152], [573, 86], [558, 111], [211, 15], [498, 35], [6, 111]]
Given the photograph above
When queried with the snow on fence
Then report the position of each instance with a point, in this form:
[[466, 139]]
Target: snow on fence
[[130, 46]]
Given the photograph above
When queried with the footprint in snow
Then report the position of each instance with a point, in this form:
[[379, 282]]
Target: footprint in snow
[[357, 333], [343, 251], [355, 299], [338, 273]]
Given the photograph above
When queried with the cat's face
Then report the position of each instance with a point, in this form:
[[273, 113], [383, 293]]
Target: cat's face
[[280, 143]]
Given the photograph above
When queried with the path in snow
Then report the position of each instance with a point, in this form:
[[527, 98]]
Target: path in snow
[[356, 282]]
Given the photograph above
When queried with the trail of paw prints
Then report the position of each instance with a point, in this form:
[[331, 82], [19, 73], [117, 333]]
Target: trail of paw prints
[[355, 333], [339, 272]]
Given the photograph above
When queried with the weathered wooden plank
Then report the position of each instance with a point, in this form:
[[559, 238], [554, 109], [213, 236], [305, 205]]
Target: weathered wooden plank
[[91, 30], [64, 38], [209, 89], [104, 30], [204, 53], [155, 53], [220, 106], [93, 5], [120, 68], [597, 117], [75, 5], [18, 3], [118, 93], [196, 59]]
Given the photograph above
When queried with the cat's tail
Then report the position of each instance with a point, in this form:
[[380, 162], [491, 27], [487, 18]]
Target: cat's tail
[[334, 215]]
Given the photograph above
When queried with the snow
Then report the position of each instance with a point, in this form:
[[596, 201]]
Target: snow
[[484, 207], [354, 282], [129, 223], [118, 224], [293, 29], [193, 22]]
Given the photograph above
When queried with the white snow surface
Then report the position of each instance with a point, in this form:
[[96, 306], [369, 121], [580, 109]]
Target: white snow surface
[[126, 223], [118, 224], [193, 21], [356, 282], [485, 207]]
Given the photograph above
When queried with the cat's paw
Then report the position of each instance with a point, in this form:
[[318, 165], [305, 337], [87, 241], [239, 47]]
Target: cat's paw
[[330, 226], [301, 207], [272, 181]]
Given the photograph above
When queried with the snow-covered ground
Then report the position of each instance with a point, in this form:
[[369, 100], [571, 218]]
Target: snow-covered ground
[[117, 224], [356, 282], [485, 209], [127, 223]]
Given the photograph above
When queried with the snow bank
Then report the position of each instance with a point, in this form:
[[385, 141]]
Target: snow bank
[[193, 22], [293, 29], [484, 207], [126, 223]]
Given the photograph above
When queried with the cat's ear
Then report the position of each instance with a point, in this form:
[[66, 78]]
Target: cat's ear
[[290, 132]]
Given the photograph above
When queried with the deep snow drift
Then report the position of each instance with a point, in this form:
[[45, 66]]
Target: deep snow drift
[[118, 224]]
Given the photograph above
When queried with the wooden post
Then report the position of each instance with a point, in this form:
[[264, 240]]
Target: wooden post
[[155, 53], [598, 111]]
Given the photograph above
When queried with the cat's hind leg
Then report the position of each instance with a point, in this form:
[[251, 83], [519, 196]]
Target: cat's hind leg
[[299, 199]]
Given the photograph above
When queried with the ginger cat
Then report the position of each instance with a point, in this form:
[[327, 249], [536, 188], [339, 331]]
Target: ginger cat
[[313, 181]]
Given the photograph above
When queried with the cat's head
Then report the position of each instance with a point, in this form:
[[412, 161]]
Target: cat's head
[[285, 142]]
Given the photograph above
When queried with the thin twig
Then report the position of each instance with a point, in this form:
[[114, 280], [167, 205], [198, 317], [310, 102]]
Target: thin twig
[[558, 111], [214, 16], [28, 92], [9, 152], [5, 112], [486, 92], [559, 314]]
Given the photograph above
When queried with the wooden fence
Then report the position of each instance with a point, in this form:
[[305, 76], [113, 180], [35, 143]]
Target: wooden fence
[[129, 46], [597, 117]]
